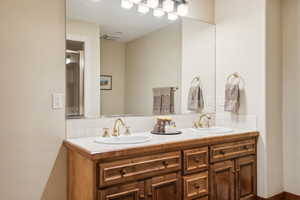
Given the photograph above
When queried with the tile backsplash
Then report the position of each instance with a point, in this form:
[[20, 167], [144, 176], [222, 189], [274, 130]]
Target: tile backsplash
[[94, 127]]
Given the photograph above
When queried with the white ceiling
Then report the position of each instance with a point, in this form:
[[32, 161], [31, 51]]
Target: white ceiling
[[112, 18]]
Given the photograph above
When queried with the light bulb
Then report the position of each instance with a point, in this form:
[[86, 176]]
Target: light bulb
[[153, 3], [143, 9], [68, 60], [172, 16], [136, 1], [158, 13], [168, 5], [182, 9], [126, 4]]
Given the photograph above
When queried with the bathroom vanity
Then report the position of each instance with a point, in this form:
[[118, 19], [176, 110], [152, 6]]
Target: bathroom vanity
[[187, 167]]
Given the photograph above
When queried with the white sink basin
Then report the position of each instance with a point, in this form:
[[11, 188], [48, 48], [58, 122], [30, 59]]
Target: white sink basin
[[213, 130], [124, 139]]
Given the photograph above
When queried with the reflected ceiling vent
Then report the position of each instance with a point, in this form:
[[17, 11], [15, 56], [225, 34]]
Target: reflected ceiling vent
[[111, 36]]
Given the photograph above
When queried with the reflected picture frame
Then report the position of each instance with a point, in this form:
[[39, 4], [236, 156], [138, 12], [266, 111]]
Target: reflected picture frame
[[105, 82]]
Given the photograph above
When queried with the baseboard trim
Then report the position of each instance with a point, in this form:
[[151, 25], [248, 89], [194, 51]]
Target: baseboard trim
[[282, 196]]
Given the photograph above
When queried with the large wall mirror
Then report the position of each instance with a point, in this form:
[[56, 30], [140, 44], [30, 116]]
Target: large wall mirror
[[122, 59]]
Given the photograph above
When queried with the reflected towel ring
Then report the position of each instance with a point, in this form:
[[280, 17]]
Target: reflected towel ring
[[197, 80], [234, 76]]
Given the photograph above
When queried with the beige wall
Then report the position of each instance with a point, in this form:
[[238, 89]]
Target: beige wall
[[152, 61], [198, 59], [88, 33], [274, 98], [291, 94], [202, 10], [32, 57], [241, 47], [113, 63]]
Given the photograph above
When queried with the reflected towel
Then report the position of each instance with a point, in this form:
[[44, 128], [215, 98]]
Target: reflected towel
[[163, 100], [195, 99], [232, 97], [156, 101]]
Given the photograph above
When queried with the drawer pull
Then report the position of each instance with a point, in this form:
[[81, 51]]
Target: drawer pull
[[165, 163], [222, 152], [246, 147], [149, 195], [142, 196], [123, 172]]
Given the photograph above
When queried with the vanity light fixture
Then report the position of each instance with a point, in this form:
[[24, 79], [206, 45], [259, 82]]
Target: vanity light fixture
[[158, 13], [168, 5], [143, 9], [136, 1], [153, 3], [172, 16], [126, 4], [173, 8], [182, 9]]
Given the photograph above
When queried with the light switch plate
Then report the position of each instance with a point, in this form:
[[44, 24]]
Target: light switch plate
[[57, 101]]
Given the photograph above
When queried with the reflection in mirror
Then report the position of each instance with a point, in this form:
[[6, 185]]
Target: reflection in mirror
[[122, 62]]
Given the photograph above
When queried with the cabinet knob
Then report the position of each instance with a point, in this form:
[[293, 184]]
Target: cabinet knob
[[246, 147], [222, 152], [165, 163], [123, 172]]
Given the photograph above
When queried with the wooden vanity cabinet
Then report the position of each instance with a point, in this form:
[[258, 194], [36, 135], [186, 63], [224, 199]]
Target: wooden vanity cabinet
[[132, 191], [222, 180], [220, 168], [156, 188], [164, 187], [234, 179], [246, 178]]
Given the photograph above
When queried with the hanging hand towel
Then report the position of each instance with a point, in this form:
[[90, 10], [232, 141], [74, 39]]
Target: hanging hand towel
[[195, 99], [232, 97]]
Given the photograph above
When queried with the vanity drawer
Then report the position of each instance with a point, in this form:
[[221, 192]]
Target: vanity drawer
[[138, 168], [232, 150], [195, 160], [195, 186], [202, 198]]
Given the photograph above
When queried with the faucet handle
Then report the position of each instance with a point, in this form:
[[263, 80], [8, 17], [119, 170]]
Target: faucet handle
[[196, 125], [106, 132], [127, 131]]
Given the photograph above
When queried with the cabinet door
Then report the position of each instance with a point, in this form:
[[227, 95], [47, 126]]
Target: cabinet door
[[246, 178], [132, 191], [222, 180], [166, 187]]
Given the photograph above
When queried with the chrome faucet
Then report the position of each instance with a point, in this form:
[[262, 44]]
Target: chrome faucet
[[116, 129], [201, 124]]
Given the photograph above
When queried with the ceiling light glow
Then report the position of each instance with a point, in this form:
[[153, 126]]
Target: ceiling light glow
[[153, 3], [182, 9], [172, 16], [168, 5], [136, 1], [143, 9], [126, 4], [158, 13]]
